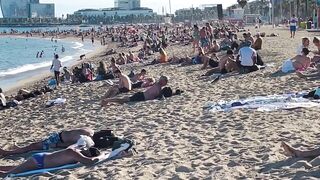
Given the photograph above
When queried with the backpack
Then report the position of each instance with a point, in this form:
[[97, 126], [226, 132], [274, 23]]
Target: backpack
[[104, 139]]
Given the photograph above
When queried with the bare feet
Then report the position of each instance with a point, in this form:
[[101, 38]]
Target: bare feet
[[289, 151]]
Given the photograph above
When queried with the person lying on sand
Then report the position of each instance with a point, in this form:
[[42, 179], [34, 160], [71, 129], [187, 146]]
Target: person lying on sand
[[223, 61], [150, 94], [50, 160], [124, 85], [312, 75], [293, 152], [64, 139], [298, 63]]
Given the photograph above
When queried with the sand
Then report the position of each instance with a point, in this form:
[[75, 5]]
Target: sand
[[175, 138]]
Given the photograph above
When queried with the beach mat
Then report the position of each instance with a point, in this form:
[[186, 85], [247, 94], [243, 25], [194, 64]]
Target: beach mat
[[264, 103], [107, 156]]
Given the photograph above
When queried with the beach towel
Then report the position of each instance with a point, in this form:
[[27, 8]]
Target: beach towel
[[264, 103], [59, 101], [287, 66], [107, 156]]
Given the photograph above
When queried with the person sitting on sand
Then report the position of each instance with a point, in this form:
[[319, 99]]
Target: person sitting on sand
[[223, 61], [257, 45], [101, 71], [67, 75], [305, 44], [163, 56], [138, 77], [249, 37], [316, 58], [64, 139], [132, 58], [122, 59], [67, 156], [147, 82], [246, 61], [208, 61], [150, 94], [298, 63], [296, 153], [215, 46], [123, 86]]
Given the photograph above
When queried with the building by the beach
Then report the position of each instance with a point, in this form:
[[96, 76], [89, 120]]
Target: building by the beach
[[27, 9], [122, 8]]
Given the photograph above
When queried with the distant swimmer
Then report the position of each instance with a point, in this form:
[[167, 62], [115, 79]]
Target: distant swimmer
[[56, 41], [63, 49], [38, 54], [51, 39], [41, 54]]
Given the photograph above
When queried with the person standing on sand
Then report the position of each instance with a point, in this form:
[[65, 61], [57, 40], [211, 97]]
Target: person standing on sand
[[56, 65], [293, 25]]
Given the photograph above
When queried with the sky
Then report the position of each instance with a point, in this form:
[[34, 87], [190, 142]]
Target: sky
[[69, 6]]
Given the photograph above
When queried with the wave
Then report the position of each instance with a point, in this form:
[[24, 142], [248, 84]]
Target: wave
[[77, 45], [30, 67]]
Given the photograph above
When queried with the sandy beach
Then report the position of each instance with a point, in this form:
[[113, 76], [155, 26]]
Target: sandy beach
[[175, 138]]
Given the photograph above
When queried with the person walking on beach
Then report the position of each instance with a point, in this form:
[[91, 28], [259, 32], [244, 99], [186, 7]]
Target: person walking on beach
[[293, 25], [56, 65]]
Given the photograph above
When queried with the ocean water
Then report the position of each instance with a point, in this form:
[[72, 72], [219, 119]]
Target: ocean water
[[18, 57]]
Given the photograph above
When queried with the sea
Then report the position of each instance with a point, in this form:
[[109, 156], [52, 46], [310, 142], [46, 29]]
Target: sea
[[19, 61]]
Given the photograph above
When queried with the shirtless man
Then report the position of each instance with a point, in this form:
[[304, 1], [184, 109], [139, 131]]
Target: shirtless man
[[55, 140], [150, 94], [223, 61], [300, 62], [50, 160], [124, 85], [64, 139]]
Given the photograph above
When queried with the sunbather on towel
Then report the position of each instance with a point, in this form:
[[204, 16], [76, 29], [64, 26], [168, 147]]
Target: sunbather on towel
[[294, 152], [62, 139], [150, 94], [298, 63], [55, 159]]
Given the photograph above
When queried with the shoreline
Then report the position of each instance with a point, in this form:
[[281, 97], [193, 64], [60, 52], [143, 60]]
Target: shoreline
[[40, 78]]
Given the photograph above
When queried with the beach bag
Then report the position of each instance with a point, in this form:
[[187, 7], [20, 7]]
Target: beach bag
[[104, 139]]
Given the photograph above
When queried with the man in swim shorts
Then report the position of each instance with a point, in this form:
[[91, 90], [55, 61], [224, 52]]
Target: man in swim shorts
[[150, 94], [50, 160], [62, 139]]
